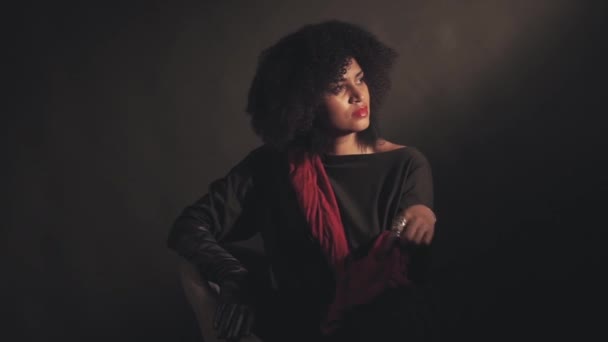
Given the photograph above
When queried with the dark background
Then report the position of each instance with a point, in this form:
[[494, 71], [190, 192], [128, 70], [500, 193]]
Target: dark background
[[121, 114]]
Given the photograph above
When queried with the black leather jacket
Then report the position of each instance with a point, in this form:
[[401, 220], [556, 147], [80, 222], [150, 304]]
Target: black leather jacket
[[256, 197]]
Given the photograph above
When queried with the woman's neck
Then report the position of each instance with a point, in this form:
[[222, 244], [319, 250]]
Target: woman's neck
[[347, 144]]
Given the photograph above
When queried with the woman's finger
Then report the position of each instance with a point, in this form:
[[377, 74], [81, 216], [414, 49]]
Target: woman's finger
[[428, 236], [411, 228], [420, 232]]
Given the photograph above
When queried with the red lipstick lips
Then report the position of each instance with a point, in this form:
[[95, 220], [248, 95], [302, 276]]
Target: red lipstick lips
[[361, 112]]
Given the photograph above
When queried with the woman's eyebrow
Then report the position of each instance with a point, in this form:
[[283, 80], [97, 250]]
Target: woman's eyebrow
[[342, 79]]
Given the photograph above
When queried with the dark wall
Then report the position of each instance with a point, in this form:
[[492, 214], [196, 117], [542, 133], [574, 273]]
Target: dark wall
[[120, 115]]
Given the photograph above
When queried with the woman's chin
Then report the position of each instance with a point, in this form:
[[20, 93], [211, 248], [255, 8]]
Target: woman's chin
[[361, 126]]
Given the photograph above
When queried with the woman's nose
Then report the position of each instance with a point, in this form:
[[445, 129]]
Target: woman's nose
[[355, 96]]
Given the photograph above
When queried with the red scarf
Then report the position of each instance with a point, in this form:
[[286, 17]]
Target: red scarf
[[357, 281]]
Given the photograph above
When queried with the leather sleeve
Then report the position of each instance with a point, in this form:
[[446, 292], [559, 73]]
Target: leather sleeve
[[217, 217]]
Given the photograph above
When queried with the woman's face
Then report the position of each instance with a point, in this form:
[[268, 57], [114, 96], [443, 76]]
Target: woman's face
[[347, 102]]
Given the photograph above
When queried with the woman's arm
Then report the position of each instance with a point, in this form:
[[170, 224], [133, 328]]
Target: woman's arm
[[416, 204], [225, 213], [216, 218], [418, 182]]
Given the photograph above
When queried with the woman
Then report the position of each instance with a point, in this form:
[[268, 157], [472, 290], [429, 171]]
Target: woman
[[329, 197]]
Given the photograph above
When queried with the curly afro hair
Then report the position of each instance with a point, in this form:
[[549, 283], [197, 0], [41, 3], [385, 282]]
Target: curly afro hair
[[285, 97]]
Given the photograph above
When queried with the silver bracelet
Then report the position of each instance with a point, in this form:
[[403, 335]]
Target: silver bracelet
[[398, 226]]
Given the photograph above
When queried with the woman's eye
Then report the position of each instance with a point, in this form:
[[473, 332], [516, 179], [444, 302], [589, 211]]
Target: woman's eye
[[337, 89], [361, 80]]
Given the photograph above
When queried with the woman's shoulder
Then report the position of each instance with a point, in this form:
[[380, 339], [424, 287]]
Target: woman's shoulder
[[258, 166], [261, 156], [383, 145], [408, 152]]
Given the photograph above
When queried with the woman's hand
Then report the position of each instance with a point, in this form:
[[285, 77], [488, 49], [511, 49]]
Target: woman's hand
[[420, 224], [234, 317]]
